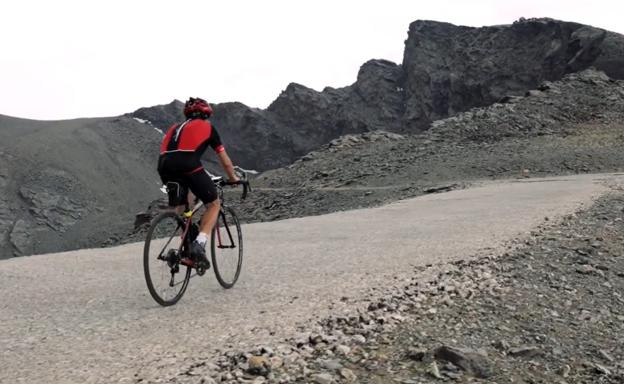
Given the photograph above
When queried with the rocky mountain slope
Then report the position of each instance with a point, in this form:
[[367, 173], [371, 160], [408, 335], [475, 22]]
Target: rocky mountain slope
[[571, 126], [446, 69], [68, 184], [575, 125]]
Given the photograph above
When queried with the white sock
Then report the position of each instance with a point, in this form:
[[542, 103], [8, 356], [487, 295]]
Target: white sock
[[202, 238]]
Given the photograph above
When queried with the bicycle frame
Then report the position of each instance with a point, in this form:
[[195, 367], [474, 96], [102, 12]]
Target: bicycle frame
[[189, 213]]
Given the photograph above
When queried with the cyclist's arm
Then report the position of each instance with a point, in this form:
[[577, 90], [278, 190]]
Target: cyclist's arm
[[227, 165], [224, 159]]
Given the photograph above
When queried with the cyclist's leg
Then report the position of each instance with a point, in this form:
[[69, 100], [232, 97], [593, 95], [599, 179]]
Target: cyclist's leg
[[203, 187], [210, 217], [190, 199]]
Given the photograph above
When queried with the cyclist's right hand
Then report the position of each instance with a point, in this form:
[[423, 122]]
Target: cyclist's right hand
[[245, 184]]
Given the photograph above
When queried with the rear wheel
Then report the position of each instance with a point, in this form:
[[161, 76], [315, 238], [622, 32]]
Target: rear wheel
[[227, 248], [166, 278]]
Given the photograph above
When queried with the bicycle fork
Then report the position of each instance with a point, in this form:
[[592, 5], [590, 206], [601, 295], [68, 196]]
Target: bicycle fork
[[229, 233]]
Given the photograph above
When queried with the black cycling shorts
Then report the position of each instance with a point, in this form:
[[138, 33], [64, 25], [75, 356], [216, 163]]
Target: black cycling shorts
[[196, 180]]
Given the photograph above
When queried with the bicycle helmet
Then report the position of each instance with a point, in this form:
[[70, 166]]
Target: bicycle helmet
[[197, 108]]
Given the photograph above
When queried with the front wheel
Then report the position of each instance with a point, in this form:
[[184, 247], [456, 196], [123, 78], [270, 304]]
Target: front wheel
[[165, 276], [227, 248]]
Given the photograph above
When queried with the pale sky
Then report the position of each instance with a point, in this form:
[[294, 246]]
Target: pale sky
[[67, 59]]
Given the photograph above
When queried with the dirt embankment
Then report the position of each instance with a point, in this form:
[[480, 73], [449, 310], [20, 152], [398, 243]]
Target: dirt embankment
[[71, 184]]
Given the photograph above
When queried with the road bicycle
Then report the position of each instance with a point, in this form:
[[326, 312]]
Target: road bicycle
[[167, 260]]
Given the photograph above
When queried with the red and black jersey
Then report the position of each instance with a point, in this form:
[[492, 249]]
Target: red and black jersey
[[183, 146], [193, 135]]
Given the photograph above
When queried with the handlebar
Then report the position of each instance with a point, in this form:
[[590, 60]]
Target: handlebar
[[244, 183], [242, 174]]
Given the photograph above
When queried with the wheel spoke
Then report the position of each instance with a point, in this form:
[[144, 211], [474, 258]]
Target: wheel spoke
[[168, 242], [162, 255]]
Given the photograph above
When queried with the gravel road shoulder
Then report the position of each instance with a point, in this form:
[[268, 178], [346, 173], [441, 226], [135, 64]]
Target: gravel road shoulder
[[549, 311]]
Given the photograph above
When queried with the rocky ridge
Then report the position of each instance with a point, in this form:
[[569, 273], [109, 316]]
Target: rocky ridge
[[450, 69], [569, 126], [574, 125], [446, 70]]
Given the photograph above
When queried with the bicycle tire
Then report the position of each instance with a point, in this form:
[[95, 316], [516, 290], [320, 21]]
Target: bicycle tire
[[152, 259], [217, 249]]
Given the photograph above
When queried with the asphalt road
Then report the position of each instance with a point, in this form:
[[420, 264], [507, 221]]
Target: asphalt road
[[86, 316]]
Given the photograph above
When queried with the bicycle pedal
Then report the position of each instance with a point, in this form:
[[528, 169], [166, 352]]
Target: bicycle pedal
[[203, 265], [200, 270]]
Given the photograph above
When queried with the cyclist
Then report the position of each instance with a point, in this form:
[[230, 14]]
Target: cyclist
[[180, 162]]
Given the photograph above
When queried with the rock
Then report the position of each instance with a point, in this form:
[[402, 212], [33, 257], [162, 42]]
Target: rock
[[535, 93], [322, 378], [317, 339], [51, 207], [397, 318], [434, 370], [525, 351], [502, 345], [565, 371], [446, 300], [276, 362], [451, 371], [343, 350], [471, 361], [416, 354], [348, 375], [606, 356], [602, 370], [332, 365], [21, 238], [586, 269], [259, 365], [359, 339], [440, 189], [142, 219]]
